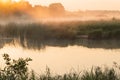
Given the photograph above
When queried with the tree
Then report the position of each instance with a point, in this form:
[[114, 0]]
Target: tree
[[56, 9]]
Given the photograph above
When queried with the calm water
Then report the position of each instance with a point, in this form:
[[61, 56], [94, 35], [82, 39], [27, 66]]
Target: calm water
[[62, 56]]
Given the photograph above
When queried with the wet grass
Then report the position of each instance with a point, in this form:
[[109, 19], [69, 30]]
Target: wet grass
[[18, 70], [101, 29], [63, 30]]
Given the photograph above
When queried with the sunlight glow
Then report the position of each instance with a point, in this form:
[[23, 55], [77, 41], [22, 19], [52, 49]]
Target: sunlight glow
[[9, 1], [16, 0], [5, 1], [82, 4]]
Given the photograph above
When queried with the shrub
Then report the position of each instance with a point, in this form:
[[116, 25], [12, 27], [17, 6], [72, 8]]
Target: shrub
[[14, 69]]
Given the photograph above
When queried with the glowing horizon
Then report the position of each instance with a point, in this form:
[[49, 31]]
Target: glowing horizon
[[76, 4], [16, 0], [9, 1], [53, 9], [82, 4]]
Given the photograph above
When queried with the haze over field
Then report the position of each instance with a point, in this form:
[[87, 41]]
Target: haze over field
[[83, 4], [68, 37], [26, 11]]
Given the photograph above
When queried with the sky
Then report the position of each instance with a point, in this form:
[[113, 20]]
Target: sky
[[74, 5]]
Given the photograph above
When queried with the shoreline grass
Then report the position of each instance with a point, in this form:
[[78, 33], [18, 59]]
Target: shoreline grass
[[63, 30], [18, 70]]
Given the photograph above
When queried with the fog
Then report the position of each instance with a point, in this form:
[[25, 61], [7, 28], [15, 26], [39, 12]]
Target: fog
[[24, 12]]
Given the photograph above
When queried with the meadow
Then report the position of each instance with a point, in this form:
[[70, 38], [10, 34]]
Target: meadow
[[68, 30]]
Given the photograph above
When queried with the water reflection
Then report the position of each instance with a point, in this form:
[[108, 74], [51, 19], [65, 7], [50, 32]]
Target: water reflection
[[41, 44], [62, 59], [62, 55], [4, 41]]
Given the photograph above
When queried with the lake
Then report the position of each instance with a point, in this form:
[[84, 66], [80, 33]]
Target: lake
[[62, 56]]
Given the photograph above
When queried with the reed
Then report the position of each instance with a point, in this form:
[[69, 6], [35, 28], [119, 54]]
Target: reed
[[63, 30]]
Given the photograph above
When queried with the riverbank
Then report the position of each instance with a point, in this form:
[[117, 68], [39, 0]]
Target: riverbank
[[64, 30]]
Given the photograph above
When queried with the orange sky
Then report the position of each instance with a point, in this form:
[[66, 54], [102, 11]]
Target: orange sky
[[83, 4]]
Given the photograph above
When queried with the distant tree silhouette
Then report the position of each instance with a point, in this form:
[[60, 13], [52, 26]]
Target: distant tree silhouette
[[24, 8], [41, 11], [56, 9]]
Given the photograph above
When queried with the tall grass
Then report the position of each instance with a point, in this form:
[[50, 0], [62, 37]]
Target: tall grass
[[63, 30], [101, 29], [18, 70], [37, 31]]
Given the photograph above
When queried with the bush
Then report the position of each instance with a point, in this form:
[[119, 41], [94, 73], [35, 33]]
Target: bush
[[14, 69]]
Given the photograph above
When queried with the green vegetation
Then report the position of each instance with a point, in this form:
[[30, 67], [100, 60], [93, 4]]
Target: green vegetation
[[63, 30], [18, 70], [14, 69], [101, 29]]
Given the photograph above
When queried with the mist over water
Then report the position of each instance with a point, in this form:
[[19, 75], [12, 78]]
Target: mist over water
[[53, 34]]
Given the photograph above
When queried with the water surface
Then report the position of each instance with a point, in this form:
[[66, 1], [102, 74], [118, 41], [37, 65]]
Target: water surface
[[62, 56]]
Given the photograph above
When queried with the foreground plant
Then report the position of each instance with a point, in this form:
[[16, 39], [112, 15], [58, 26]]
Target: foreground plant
[[100, 74], [14, 69], [18, 70]]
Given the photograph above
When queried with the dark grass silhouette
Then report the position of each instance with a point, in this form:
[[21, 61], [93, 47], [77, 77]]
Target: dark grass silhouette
[[18, 70]]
